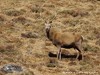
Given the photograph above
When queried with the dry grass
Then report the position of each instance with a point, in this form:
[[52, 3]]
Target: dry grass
[[23, 40]]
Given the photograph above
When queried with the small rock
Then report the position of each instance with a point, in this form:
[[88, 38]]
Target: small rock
[[10, 68], [30, 35]]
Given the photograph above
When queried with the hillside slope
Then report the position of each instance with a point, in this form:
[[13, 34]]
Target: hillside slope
[[23, 40]]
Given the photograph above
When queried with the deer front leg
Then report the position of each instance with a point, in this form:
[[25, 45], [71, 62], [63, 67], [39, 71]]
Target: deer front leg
[[59, 53]]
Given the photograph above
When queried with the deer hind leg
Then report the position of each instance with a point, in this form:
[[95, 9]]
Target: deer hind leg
[[79, 54], [79, 48]]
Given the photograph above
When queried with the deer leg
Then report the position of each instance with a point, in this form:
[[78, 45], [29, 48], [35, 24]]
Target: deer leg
[[80, 52], [79, 48], [77, 56], [59, 53]]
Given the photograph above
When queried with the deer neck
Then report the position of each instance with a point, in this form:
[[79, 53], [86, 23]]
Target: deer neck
[[48, 32]]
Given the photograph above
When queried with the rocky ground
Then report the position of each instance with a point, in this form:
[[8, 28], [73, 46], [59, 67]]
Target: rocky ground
[[23, 41]]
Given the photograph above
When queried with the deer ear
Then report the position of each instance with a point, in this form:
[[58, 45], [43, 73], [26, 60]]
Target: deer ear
[[50, 22]]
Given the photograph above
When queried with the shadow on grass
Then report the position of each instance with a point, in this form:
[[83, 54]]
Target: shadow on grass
[[50, 54]]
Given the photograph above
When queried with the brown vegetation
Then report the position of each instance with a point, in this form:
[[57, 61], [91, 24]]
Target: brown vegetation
[[36, 53]]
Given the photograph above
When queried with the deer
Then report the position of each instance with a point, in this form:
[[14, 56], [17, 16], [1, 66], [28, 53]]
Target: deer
[[65, 40]]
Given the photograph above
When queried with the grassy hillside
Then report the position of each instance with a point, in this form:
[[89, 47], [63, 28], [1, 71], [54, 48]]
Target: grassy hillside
[[23, 40]]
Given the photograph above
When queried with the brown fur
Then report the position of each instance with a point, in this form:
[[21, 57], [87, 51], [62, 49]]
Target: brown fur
[[65, 40]]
